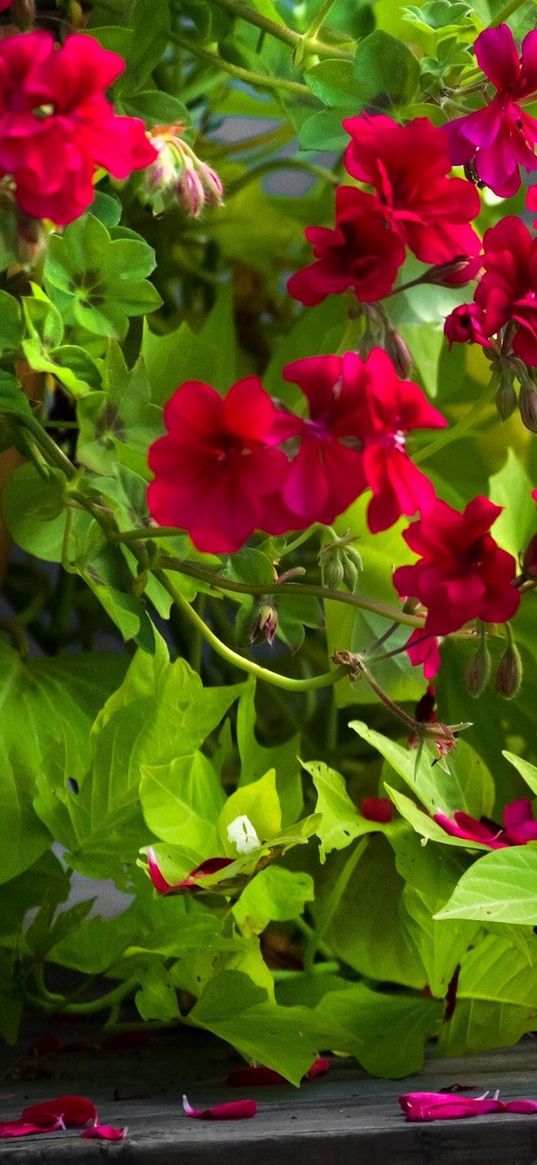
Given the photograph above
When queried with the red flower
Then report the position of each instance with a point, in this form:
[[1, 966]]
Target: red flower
[[462, 573], [359, 254], [423, 648], [355, 438], [216, 467], [232, 1110], [431, 1106], [505, 293], [377, 809], [408, 166], [56, 124], [498, 139], [464, 826], [208, 867]]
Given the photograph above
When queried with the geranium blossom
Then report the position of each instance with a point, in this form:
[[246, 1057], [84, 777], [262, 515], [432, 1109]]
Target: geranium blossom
[[56, 124], [506, 292], [501, 137], [408, 165], [518, 828], [354, 438], [378, 809], [462, 573], [217, 465], [423, 649], [360, 254]]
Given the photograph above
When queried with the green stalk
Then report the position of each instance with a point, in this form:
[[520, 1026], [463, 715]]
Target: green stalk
[[327, 679], [282, 164], [49, 1001], [462, 426], [258, 80], [506, 12], [282, 32], [318, 20]]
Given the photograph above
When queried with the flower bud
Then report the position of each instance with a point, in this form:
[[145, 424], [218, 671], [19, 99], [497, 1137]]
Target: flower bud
[[31, 238], [398, 352], [443, 272], [212, 185], [22, 13], [529, 561], [477, 671], [190, 192], [527, 403], [266, 623], [506, 400], [332, 569], [509, 674]]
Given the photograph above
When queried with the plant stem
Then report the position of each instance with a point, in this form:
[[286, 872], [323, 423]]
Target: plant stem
[[462, 426], [297, 589], [331, 904], [258, 80], [282, 32], [318, 20], [262, 673], [49, 1001], [331, 968], [281, 164], [506, 12]]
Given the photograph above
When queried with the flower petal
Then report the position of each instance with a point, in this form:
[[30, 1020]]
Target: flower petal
[[23, 1128], [74, 1111], [104, 1133], [233, 1110]]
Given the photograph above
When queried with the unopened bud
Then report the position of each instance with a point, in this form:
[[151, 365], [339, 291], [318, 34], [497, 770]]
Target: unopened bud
[[212, 185], [23, 13], [443, 273], [398, 352], [527, 403], [266, 623], [190, 192], [529, 561], [161, 175], [506, 400], [477, 671], [509, 674], [31, 238], [332, 570], [340, 563]]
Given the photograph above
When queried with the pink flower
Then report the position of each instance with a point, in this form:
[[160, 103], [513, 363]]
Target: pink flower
[[361, 253], [519, 826], [376, 809], [466, 324], [355, 438], [423, 649], [217, 466], [56, 124], [498, 139], [462, 573], [408, 165], [191, 882], [431, 1106], [233, 1110]]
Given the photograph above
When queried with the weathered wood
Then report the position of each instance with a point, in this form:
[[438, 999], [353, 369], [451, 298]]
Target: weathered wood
[[345, 1118]]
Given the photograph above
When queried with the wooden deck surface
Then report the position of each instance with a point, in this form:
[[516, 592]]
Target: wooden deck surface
[[345, 1118]]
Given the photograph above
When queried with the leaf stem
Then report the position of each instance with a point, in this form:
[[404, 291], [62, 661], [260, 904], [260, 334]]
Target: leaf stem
[[282, 32], [462, 426], [49, 1001], [318, 20], [258, 80], [326, 679]]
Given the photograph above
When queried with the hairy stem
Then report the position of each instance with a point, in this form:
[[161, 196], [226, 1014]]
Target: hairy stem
[[258, 80], [282, 32]]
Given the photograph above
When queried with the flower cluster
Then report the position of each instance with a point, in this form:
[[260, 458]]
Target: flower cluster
[[415, 204], [56, 125], [178, 176], [462, 574], [220, 450], [518, 828]]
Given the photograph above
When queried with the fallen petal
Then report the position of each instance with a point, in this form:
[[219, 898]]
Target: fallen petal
[[234, 1110], [104, 1133], [75, 1111], [22, 1128], [431, 1106], [319, 1067], [528, 1106]]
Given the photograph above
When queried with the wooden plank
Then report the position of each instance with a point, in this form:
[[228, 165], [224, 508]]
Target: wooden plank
[[345, 1118]]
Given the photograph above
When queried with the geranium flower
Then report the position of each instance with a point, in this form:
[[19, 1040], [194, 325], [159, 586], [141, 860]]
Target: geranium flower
[[505, 293], [56, 124], [408, 165], [423, 649], [462, 573], [191, 882], [361, 253], [217, 465], [498, 139], [355, 438], [376, 809]]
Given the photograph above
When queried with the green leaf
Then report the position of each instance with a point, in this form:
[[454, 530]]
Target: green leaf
[[283, 1038], [156, 108], [257, 760], [10, 325], [259, 802], [500, 887], [181, 802], [157, 998], [334, 83], [438, 14], [323, 131], [340, 821], [106, 208], [424, 824], [526, 770], [33, 510], [511, 488], [275, 894], [386, 72], [207, 355], [150, 25], [386, 1033]]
